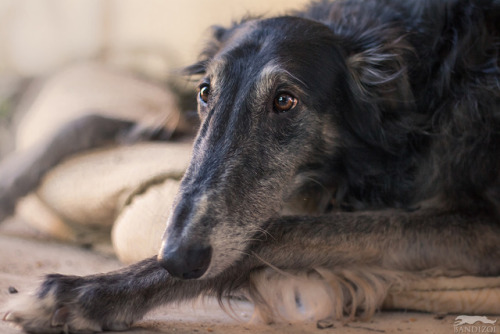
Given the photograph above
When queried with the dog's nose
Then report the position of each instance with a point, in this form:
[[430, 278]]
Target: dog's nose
[[185, 261]]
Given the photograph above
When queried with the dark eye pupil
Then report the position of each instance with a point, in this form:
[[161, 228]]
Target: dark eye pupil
[[205, 93], [284, 102]]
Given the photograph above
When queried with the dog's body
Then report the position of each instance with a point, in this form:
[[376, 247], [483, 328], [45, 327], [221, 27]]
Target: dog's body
[[377, 123]]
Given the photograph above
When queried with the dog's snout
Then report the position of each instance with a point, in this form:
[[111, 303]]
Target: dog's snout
[[185, 261]]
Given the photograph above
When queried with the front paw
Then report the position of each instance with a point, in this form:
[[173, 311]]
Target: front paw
[[66, 304]]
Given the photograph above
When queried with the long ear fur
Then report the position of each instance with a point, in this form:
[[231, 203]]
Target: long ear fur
[[211, 48], [383, 102], [380, 120]]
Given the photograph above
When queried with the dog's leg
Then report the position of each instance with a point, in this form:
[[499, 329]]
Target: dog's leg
[[405, 242], [22, 172], [409, 241], [111, 301], [345, 263]]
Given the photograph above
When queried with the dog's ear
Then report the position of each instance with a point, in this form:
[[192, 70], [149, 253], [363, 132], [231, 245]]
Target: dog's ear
[[382, 99], [217, 36]]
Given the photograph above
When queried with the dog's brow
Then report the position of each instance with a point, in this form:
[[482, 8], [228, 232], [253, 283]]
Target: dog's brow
[[217, 70], [217, 66], [272, 74]]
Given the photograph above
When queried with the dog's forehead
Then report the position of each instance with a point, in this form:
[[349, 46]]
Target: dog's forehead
[[262, 44], [271, 35]]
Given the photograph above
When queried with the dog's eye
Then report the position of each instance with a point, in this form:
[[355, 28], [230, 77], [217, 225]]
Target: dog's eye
[[204, 92], [284, 102]]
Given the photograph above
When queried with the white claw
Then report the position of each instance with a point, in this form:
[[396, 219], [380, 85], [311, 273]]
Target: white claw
[[8, 316]]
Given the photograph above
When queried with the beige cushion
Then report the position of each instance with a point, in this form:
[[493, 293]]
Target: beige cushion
[[93, 88], [460, 295], [86, 193], [137, 232], [79, 199]]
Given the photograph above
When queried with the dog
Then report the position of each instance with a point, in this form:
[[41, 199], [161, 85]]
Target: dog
[[347, 147]]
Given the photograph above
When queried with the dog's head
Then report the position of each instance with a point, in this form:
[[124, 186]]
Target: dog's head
[[271, 100]]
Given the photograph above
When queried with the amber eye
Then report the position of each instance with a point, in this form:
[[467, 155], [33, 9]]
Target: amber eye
[[284, 102], [204, 92]]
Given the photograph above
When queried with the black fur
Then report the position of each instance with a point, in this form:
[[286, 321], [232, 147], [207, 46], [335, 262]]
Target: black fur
[[418, 111], [398, 106], [396, 116]]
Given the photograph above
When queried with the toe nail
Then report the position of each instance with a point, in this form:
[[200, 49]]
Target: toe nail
[[8, 317]]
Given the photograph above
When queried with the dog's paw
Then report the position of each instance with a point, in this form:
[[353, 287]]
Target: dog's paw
[[65, 304], [43, 315]]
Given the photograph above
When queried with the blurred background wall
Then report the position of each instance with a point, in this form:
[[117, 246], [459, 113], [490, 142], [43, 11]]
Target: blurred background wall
[[37, 36], [148, 37]]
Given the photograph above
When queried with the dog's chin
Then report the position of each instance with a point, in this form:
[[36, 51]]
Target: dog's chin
[[222, 259], [212, 272]]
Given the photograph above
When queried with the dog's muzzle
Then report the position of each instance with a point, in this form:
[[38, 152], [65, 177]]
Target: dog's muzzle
[[186, 261]]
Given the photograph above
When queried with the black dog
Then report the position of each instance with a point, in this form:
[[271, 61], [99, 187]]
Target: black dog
[[376, 123]]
